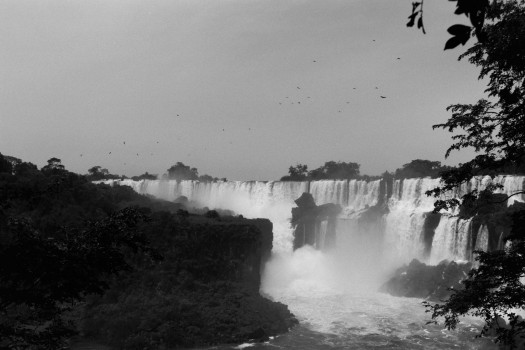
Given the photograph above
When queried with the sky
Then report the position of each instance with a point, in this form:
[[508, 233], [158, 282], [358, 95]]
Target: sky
[[240, 89]]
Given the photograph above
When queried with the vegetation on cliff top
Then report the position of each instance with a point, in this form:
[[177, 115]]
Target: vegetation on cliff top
[[65, 240]]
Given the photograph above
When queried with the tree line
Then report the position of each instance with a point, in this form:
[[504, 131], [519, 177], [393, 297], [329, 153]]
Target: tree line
[[179, 171], [416, 168]]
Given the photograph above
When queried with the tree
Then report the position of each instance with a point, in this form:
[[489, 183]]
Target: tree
[[180, 172], [97, 173], [145, 176], [495, 128], [54, 166], [475, 10], [335, 171], [207, 178], [296, 173], [42, 277], [420, 168]]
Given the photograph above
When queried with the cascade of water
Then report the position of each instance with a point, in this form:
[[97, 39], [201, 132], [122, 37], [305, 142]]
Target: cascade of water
[[451, 240], [330, 191], [404, 223], [320, 234], [362, 194], [482, 239]]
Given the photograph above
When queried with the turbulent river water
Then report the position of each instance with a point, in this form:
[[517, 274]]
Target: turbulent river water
[[338, 307], [334, 294]]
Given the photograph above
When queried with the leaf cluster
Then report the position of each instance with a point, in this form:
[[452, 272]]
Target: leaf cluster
[[493, 292], [331, 170]]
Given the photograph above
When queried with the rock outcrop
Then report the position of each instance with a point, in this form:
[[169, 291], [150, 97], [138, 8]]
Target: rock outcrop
[[308, 220], [418, 280], [205, 291]]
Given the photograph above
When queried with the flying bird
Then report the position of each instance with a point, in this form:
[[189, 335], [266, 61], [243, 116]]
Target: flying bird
[[109, 152], [383, 96], [124, 142]]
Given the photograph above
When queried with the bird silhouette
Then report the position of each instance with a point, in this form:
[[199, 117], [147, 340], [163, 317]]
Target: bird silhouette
[[399, 58], [298, 88], [315, 61], [383, 96], [109, 152], [81, 155], [124, 142]]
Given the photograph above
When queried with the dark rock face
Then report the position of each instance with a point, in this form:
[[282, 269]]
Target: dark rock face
[[205, 291], [418, 280], [307, 219], [429, 229]]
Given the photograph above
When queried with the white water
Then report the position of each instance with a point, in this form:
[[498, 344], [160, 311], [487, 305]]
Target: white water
[[334, 293]]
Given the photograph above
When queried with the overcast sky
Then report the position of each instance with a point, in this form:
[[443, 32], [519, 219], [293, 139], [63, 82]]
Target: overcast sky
[[239, 89]]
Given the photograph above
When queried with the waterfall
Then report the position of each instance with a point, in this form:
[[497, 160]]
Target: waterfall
[[451, 240], [399, 229], [408, 207], [482, 239]]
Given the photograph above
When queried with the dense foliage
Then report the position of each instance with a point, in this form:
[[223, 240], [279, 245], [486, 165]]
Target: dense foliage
[[60, 238], [329, 171], [64, 239], [180, 171], [420, 168], [204, 292], [495, 128]]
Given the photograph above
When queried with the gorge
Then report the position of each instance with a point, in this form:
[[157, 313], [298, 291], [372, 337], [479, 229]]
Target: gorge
[[332, 288]]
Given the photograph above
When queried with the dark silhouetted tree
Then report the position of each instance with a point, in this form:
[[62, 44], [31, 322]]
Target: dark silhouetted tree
[[495, 128], [420, 168], [180, 172], [335, 171], [296, 173]]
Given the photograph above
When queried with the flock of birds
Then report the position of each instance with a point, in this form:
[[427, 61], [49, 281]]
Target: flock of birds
[[288, 100], [298, 100]]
